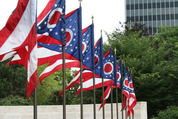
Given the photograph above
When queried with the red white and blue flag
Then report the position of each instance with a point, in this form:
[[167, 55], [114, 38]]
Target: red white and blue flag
[[19, 32]]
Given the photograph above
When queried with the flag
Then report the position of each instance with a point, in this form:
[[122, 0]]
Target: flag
[[108, 68], [119, 75], [87, 52], [132, 101], [51, 23], [125, 87], [19, 32]]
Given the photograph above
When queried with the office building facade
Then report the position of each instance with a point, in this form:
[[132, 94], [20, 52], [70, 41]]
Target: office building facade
[[152, 13]]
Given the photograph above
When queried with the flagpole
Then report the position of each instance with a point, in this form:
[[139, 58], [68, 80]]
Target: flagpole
[[35, 103], [116, 94], [125, 102], [103, 90], [111, 103], [81, 69], [64, 76], [94, 90], [122, 95]]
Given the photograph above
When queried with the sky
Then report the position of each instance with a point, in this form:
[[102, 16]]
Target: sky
[[106, 13]]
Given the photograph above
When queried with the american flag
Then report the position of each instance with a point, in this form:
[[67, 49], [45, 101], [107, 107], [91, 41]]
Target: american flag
[[19, 32]]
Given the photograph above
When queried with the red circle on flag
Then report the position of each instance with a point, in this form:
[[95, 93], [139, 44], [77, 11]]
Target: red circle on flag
[[108, 68], [84, 47], [69, 36], [131, 85], [126, 82], [96, 59], [118, 76]]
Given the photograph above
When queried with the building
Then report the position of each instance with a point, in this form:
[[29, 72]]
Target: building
[[152, 13]]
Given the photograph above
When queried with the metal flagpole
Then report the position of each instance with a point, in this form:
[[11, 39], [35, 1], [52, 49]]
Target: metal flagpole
[[64, 80], [35, 103], [116, 94], [111, 103], [103, 90], [94, 90], [81, 77]]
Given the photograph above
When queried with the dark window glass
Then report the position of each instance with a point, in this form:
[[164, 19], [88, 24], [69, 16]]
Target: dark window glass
[[158, 5], [141, 6], [145, 18], [150, 18], [163, 17], [150, 30], [149, 5], [145, 6], [132, 19], [136, 18], [132, 6], [128, 7], [141, 18], [172, 16], [154, 30], [176, 4], [154, 17], [128, 18], [167, 16], [171, 4], [162, 5], [176, 16], [158, 17], [154, 5], [167, 4], [136, 6]]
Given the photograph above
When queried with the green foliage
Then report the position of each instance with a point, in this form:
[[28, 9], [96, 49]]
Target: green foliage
[[171, 112], [154, 62], [14, 101]]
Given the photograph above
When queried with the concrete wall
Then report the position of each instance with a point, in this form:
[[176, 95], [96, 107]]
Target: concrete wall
[[73, 111]]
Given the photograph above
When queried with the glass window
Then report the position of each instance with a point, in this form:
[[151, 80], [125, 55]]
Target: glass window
[[150, 18], [163, 17], [176, 4], [141, 18], [171, 4], [145, 6], [154, 17], [132, 6], [162, 5], [149, 5], [158, 5], [145, 18], [176, 16], [128, 18], [136, 18], [154, 5], [141, 6], [158, 17], [136, 6], [154, 30], [128, 7], [167, 4], [172, 16], [167, 16]]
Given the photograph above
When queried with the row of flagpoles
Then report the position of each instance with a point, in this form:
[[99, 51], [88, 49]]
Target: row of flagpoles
[[58, 39]]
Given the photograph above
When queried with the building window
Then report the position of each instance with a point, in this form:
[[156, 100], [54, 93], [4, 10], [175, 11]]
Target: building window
[[176, 4], [167, 4], [158, 5], [176, 16], [172, 16], [150, 18], [145, 6], [171, 4], [136, 18], [162, 5], [145, 18], [154, 17], [136, 6], [167, 16], [163, 17], [132, 6], [141, 6], [154, 5], [149, 5], [128, 7], [141, 18], [158, 17]]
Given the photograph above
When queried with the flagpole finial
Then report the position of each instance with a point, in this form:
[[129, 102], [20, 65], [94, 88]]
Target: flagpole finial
[[115, 50], [101, 32], [80, 3], [92, 19]]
